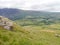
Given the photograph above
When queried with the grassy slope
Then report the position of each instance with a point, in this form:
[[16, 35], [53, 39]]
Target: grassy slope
[[44, 36], [33, 35], [16, 37]]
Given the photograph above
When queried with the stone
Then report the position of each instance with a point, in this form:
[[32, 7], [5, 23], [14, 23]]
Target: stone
[[6, 23], [7, 27]]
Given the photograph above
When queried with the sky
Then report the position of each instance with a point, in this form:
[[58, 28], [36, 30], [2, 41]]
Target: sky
[[39, 5]]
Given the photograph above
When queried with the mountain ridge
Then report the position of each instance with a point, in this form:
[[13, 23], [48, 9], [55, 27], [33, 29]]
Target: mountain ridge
[[15, 14]]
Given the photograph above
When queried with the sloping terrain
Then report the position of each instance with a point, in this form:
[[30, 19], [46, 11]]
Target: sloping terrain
[[45, 36], [16, 14], [30, 36], [36, 30], [16, 36]]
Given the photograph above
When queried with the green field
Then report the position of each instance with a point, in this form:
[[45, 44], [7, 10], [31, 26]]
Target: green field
[[41, 33], [44, 36], [31, 35]]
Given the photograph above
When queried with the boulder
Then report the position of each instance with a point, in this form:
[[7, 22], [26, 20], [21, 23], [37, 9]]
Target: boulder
[[6, 23]]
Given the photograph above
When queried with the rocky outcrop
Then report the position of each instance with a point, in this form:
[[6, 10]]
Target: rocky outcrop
[[6, 23]]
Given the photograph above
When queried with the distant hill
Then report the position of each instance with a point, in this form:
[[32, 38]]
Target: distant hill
[[30, 17], [15, 14]]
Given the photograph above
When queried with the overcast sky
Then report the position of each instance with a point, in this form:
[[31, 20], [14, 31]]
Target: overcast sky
[[45, 5]]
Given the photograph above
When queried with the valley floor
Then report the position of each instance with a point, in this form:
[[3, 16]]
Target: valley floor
[[44, 36]]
